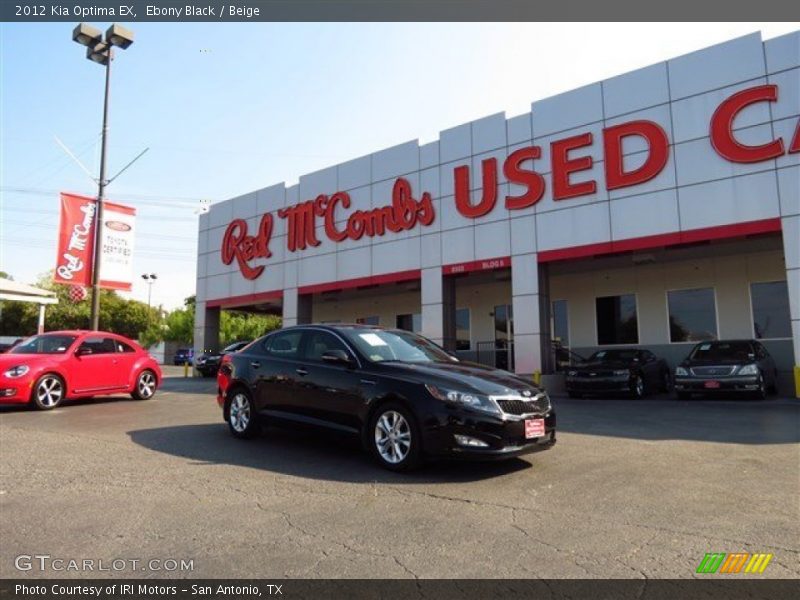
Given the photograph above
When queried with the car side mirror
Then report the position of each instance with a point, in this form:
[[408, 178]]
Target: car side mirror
[[339, 357], [83, 351]]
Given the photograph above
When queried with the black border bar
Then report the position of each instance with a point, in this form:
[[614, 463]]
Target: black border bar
[[710, 587], [395, 10]]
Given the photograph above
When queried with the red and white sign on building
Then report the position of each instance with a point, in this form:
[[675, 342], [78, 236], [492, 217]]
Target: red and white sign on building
[[74, 261]]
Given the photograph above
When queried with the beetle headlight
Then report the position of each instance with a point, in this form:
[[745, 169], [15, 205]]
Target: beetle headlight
[[17, 371], [469, 399], [751, 369]]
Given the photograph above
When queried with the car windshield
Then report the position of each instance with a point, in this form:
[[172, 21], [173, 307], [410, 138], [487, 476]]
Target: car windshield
[[614, 356], [723, 351], [44, 344], [379, 345]]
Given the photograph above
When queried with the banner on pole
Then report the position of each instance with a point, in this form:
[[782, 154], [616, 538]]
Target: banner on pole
[[74, 262]]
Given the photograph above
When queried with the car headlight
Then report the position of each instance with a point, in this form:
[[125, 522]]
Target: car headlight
[[469, 399], [681, 372], [751, 369], [619, 372], [572, 373], [17, 371]]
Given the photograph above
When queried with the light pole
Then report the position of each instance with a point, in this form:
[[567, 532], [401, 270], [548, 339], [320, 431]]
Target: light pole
[[101, 52], [150, 279]]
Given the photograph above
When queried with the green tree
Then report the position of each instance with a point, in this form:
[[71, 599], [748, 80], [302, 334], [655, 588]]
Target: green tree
[[130, 318]]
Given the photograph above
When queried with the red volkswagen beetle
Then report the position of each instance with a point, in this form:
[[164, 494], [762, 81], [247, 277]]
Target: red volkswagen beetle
[[47, 369]]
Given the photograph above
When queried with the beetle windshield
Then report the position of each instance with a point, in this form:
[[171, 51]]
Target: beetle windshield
[[44, 344]]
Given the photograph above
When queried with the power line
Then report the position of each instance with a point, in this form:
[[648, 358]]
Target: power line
[[179, 201]]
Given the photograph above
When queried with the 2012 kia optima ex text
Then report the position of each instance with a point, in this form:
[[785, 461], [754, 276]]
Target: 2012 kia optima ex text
[[403, 395]]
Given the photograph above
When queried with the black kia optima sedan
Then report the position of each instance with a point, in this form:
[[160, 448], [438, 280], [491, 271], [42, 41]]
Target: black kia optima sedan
[[727, 367], [401, 394], [619, 371]]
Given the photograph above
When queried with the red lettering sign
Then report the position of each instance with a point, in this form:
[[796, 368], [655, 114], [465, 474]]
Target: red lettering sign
[[658, 152], [514, 172], [722, 137], [564, 166], [488, 199], [244, 248]]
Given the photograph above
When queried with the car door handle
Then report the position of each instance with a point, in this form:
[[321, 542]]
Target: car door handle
[[301, 371], [255, 364]]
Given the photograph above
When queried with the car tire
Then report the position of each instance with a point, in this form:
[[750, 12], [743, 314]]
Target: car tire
[[666, 382], [761, 392], [394, 438], [145, 386], [241, 415], [637, 387], [48, 392]]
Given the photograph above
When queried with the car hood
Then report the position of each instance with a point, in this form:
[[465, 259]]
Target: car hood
[[604, 365], [724, 362], [12, 360], [463, 376]]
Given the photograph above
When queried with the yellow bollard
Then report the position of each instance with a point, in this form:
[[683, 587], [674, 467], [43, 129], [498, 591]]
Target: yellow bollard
[[186, 369], [797, 381], [537, 377]]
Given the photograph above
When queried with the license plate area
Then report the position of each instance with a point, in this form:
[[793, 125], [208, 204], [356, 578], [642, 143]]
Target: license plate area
[[534, 428], [711, 385]]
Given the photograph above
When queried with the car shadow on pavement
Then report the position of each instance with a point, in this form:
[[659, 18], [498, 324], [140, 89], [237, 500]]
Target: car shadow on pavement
[[734, 421], [302, 453]]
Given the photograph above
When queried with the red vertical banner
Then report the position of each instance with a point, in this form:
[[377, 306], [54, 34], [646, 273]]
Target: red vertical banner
[[75, 240]]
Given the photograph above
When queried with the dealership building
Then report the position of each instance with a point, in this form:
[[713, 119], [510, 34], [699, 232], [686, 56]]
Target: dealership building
[[653, 209]]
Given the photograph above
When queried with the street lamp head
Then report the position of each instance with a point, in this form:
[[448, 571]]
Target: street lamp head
[[119, 36], [86, 34], [99, 53]]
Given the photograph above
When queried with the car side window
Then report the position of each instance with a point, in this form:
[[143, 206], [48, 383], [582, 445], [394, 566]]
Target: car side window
[[761, 352], [318, 343], [285, 344], [123, 347], [98, 345]]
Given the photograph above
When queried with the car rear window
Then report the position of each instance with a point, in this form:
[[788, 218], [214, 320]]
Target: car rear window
[[723, 351]]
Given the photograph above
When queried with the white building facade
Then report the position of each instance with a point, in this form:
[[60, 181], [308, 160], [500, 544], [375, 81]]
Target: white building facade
[[653, 209]]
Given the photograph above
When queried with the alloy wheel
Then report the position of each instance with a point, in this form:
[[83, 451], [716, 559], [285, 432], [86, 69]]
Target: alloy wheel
[[392, 437], [638, 389], [49, 392], [146, 385], [239, 416]]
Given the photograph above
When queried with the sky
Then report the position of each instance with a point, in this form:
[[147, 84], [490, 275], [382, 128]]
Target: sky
[[228, 108]]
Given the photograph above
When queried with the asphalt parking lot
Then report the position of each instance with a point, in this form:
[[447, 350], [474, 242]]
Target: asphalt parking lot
[[632, 489]]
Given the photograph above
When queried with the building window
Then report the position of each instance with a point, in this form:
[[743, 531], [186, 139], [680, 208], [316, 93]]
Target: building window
[[410, 322], [770, 302], [692, 315], [560, 323], [616, 320], [462, 329], [369, 320]]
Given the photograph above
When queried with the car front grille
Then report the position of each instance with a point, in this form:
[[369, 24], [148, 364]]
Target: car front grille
[[520, 407], [721, 371]]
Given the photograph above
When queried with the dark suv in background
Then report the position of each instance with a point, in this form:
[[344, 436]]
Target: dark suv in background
[[725, 367], [401, 394]]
